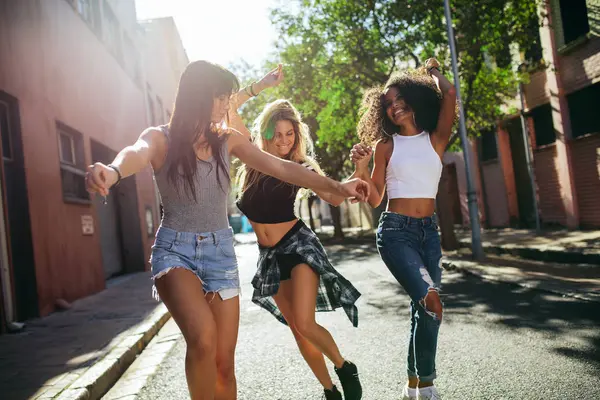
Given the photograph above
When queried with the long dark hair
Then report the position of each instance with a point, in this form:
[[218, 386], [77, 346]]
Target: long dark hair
[[200, 83]]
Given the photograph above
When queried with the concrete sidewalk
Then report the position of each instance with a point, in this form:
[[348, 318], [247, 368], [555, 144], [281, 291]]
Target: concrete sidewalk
[[580, 281], [563, 246], [80, 353]]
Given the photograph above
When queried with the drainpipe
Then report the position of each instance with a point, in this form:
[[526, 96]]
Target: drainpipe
[[528, 156]]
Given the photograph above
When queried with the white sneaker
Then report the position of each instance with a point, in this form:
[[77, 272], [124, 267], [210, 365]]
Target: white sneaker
[[428, 393], [409, 393]]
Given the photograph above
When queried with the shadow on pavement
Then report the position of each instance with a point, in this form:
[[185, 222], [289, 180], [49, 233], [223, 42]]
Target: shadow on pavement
[[512, 307]]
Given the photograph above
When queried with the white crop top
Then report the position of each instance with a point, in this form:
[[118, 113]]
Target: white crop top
[[414, 169]]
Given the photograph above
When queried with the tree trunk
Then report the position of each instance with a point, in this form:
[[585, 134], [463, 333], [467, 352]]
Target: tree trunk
[[311, 219], [445, 214], [338, 232]]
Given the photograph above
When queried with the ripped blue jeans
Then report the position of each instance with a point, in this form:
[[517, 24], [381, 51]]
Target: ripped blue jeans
[[210, 256], [411, 249]]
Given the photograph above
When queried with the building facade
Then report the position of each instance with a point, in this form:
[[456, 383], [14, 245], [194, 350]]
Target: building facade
[[73, 91], [563, 126]]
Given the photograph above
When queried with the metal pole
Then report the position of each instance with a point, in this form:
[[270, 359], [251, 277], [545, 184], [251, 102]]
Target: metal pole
[[528, 158], [476, 247]]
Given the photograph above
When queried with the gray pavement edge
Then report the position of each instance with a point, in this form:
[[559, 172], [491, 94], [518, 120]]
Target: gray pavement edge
[[479, 270], [102, 375], [559, 254]]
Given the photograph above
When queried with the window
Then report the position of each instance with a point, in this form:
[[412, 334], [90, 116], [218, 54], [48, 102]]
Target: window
[[84, 7], [574, 19], [542, 125], [66, 148], [72, 162], [583, 110], [489, 148], [5, 132], [90, 12], [533, 50], [113, 34]]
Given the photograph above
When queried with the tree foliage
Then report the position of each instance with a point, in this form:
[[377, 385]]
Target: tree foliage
[[333, 50]]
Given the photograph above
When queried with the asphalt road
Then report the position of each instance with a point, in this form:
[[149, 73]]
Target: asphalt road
[[497, 341]]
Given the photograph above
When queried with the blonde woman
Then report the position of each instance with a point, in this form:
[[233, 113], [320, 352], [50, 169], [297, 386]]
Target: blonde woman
[[294, 276]]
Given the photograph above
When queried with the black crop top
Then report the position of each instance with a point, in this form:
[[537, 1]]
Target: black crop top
[[270, 201]]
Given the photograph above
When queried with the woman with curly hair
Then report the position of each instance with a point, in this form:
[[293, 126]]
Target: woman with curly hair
[[411, 120], [294, 276]]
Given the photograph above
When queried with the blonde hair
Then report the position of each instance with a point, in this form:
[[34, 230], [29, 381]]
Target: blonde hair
[[263, 132]]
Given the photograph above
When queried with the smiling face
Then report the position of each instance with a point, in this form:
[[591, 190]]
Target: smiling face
[[396, 108], [284, 138], [220, 108]]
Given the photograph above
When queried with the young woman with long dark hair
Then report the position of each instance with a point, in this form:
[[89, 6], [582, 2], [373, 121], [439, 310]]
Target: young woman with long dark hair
[[193, 259]]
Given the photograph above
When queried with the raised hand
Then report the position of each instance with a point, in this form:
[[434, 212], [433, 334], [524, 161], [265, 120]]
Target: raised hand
[[431, 63], [361, 155], [272, 79]]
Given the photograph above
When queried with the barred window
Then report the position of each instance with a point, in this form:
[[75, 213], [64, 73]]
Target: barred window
[[72, 162], [543, 125], [583, 110]]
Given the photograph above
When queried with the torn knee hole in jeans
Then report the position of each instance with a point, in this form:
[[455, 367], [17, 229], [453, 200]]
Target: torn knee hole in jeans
[[423, 303]]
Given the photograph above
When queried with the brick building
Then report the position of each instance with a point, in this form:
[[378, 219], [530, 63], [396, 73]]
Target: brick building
[[561, 108], [73, 90]]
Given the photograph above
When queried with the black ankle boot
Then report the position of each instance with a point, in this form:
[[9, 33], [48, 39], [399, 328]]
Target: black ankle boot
[[333, 394], [348, 375]]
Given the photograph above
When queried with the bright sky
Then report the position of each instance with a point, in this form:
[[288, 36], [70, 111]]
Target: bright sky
[[222, 31]]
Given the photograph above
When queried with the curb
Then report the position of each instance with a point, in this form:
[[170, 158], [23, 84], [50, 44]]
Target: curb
[[456, 266], [102, 375], [146, 365], [548, 254]]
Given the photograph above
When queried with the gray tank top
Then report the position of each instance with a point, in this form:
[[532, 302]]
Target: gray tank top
[[209, 212]]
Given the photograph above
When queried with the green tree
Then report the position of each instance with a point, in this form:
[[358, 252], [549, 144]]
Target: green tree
[[334, 49]]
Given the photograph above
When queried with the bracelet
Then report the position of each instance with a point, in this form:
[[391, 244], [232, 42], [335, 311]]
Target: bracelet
[[431, 69], [252, 89], [116, 169], [247, 91]]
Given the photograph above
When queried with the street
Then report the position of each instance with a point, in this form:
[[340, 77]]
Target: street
[[497, 341]]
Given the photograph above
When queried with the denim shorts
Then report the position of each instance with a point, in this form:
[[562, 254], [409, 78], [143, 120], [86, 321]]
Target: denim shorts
[[210, 256]]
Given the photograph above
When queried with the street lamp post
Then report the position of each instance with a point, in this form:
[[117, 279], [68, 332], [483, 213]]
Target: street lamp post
[[476, 246]]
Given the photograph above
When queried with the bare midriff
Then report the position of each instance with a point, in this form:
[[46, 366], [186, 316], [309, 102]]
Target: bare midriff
[[268, 235], [417, 208]]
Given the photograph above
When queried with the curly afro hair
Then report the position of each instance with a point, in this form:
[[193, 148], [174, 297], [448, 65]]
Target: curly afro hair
[[420, 93]]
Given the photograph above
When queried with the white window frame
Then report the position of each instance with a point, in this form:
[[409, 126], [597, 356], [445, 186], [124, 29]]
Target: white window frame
[[60, 148]]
